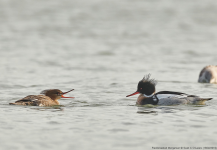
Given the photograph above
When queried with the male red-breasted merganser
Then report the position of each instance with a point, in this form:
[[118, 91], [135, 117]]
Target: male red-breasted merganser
[[208, 74], [146, 89], [49, 98]]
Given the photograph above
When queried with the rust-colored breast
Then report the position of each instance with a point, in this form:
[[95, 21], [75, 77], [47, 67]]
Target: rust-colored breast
[[140, 99]]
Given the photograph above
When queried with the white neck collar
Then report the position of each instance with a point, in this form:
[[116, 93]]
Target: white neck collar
[[148, 95]]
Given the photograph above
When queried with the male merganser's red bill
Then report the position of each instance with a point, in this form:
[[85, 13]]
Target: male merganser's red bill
[[146, 88], [132, 94], [49, 98]]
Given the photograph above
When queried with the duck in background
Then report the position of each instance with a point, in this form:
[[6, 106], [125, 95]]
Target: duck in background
[[208, 74], [146, 89], [48, 98]]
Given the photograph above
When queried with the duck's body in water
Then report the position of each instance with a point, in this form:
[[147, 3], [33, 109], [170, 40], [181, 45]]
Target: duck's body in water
[[146, 89], [208, 74], [49, 98]]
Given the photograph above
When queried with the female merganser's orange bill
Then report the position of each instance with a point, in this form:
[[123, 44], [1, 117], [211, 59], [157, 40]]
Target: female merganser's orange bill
[[208, 74], [146, 89], [49, 98]]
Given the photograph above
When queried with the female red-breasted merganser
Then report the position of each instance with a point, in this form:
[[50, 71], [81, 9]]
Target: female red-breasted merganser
[[208, 74], [49, 98], [146, 88]]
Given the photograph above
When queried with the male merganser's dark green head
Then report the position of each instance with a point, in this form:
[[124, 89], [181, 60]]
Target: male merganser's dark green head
[[145, 86]]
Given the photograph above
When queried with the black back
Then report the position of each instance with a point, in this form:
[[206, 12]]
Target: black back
[[170, 92]]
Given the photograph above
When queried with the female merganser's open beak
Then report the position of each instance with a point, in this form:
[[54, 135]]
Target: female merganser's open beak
[[67, 92]]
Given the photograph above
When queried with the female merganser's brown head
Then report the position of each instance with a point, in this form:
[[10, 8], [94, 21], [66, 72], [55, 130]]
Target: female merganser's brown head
[[55, 94], [145, 86]]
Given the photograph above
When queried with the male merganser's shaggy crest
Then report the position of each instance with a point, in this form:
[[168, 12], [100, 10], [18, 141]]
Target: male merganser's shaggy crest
[[208, 74], [50, 98], [146, 88]]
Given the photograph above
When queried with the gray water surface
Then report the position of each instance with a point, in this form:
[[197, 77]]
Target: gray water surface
[[102, 49]]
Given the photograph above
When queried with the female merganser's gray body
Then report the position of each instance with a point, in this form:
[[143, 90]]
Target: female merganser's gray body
[[146, 89], [208, 74], [49, 98]]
